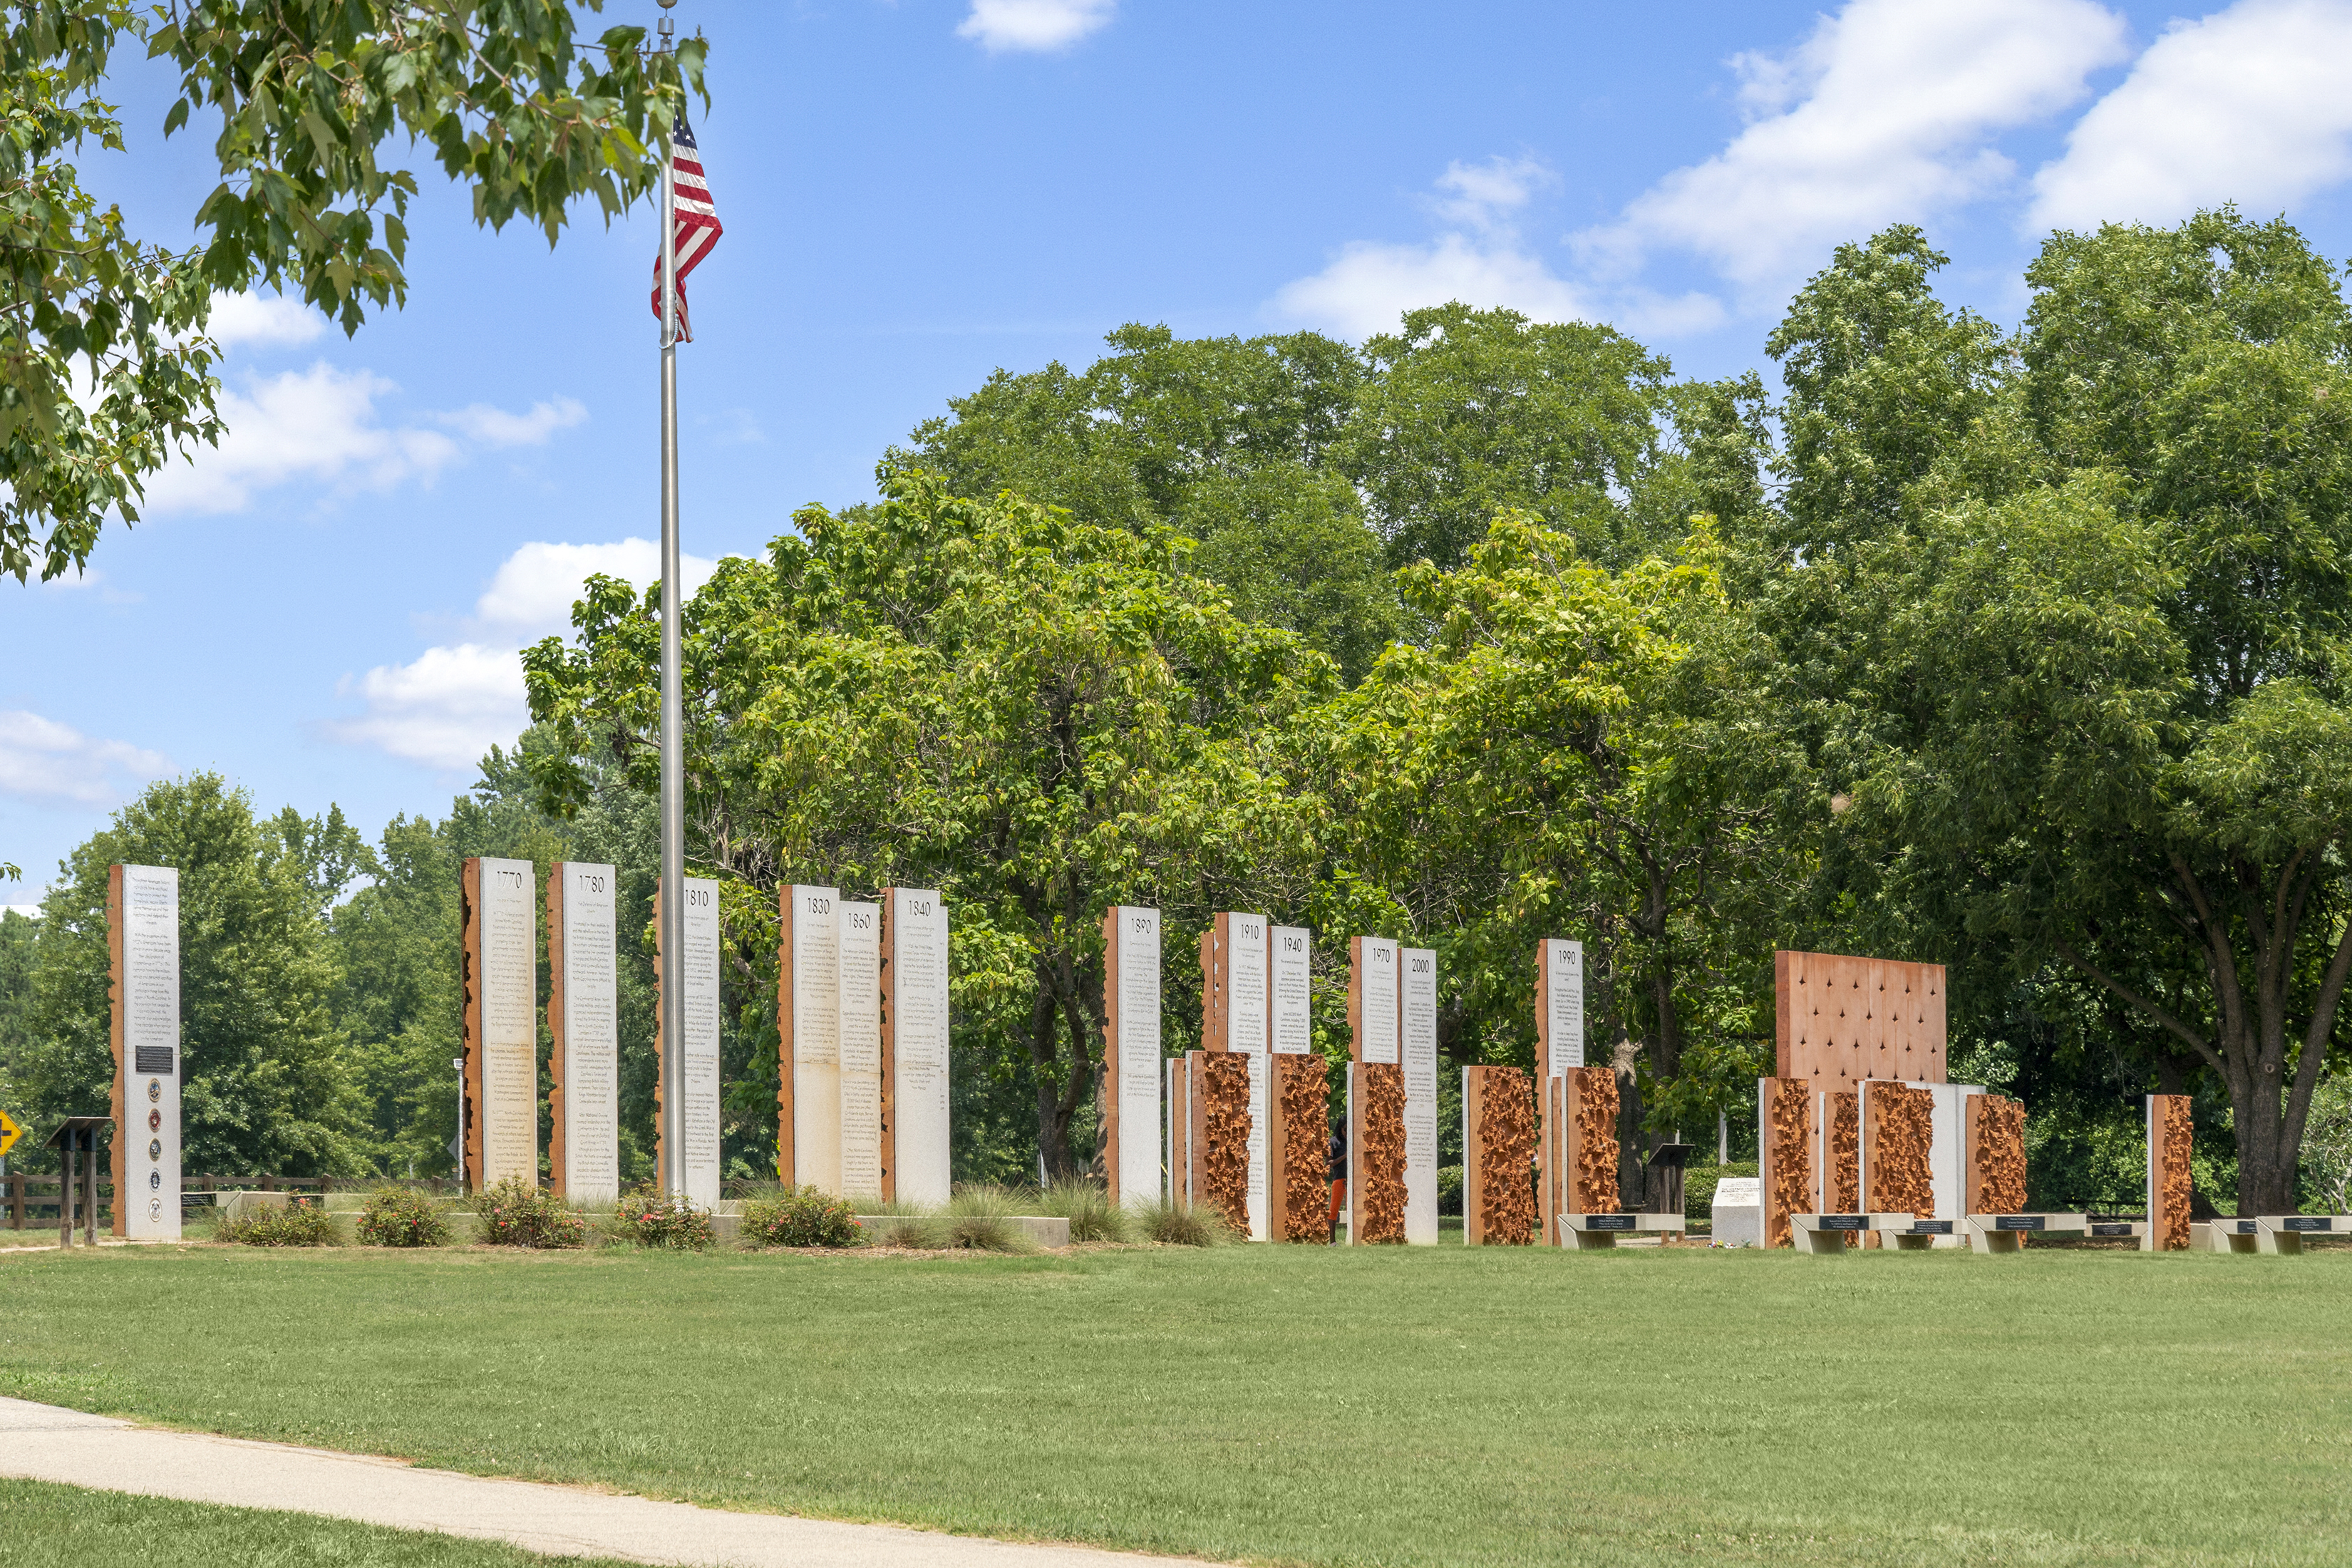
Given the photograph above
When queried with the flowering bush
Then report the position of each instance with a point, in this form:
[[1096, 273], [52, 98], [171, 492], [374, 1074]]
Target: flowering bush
[[801, 1217], [654, 1219], [400, 1217], [300, 1223], [514, 1212]]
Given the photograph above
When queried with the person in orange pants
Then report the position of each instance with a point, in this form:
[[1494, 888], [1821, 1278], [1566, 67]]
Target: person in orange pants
[[1338, 1154]]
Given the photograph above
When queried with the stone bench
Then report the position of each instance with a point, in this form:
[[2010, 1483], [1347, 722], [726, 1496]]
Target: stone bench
[[2005, 1232], [1593, 1232], [2282, 1233]]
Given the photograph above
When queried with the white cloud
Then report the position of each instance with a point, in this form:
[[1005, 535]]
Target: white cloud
[[2247, 105], [497, 428], [41, 759], [1041, 25], [322, 427], [268, 319], [1885, 113], [1481, 259], [319, 425], [1368, 286], [448, 707]]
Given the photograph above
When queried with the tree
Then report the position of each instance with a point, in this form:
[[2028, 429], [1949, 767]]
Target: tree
[[2102, 718], [1036, 715], [1465, 412], [1224, 439], [264, 1083], [1582, 752], [104, 372]]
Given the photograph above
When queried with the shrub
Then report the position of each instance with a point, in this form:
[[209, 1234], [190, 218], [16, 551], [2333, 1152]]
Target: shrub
[[514, 1212], [299, 1224], [401, 1216], [1449, 1189], [650, 1218], [1174, 1224], [1092, 1215], [801, 1216]]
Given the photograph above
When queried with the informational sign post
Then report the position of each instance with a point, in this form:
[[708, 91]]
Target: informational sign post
[[808, 1024], [501, 1038], [691, 1170], [914, 1043], [583, 1020], [1131, 1047], [1242, 943], [860, 970], [1417, 1028], [142, 909], [1292, 953]]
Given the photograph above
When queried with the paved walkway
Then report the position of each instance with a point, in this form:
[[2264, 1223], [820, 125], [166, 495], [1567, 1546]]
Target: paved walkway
[[41, 1442]]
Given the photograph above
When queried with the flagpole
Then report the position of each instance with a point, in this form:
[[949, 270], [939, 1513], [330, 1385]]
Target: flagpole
[[672, 916]]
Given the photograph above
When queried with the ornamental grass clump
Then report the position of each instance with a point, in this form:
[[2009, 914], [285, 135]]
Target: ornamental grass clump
[[401, 1217], [299, 1224], [514, 1212], [649, 1217], [980, 1218], [801, 1216], [1175, 1223], [1087, 1206]]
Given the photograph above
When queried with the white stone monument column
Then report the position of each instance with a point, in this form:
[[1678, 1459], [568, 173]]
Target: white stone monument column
[[699, 1168], [808, 1020], [1559, 1046], [1417, 1027], [1291, 951], [583, 1018], [914, 1043], [1247, 1029], [144, 933], [860, 995], [501, 985], [1131, 1094]]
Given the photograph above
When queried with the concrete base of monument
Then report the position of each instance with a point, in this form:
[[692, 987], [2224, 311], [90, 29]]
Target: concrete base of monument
[[1595, 1232], [1040, 1230], [2006, 1232]]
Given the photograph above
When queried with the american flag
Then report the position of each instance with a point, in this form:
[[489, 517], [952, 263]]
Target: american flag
[[697, 223]]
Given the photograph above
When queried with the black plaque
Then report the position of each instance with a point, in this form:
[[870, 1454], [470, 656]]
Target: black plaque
[[151, 1059], [2246, 1226], [2111, 1231], [1845, 1222], [1609, 1222], [2310, 1222], [2017, 1222], [1931, 1227]]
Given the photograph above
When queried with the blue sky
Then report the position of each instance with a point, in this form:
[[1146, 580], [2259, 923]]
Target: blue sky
[[916, 193]]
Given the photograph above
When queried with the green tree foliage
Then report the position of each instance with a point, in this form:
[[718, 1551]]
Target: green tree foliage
[[1587, 752], [2083, 664], [1465, 413], [1227, 441], [1038, 716], [314, 99], [264, 1079]]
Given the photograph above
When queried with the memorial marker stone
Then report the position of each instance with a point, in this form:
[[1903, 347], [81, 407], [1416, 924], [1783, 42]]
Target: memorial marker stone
[[699, 1081], [584, 1021], [808, 1023], [1131, 1149], [501, 1038], [1292, 951], [1417, 1014], [860, 994], [142, 909], [1238, 1020], [915, 1044]]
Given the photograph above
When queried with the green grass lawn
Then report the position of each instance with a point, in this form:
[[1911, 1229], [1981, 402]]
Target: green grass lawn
[[53, 1525], [1382, 1406]]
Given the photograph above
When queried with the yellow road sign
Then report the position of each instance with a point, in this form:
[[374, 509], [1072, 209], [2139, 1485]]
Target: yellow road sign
[[9, 1133]]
